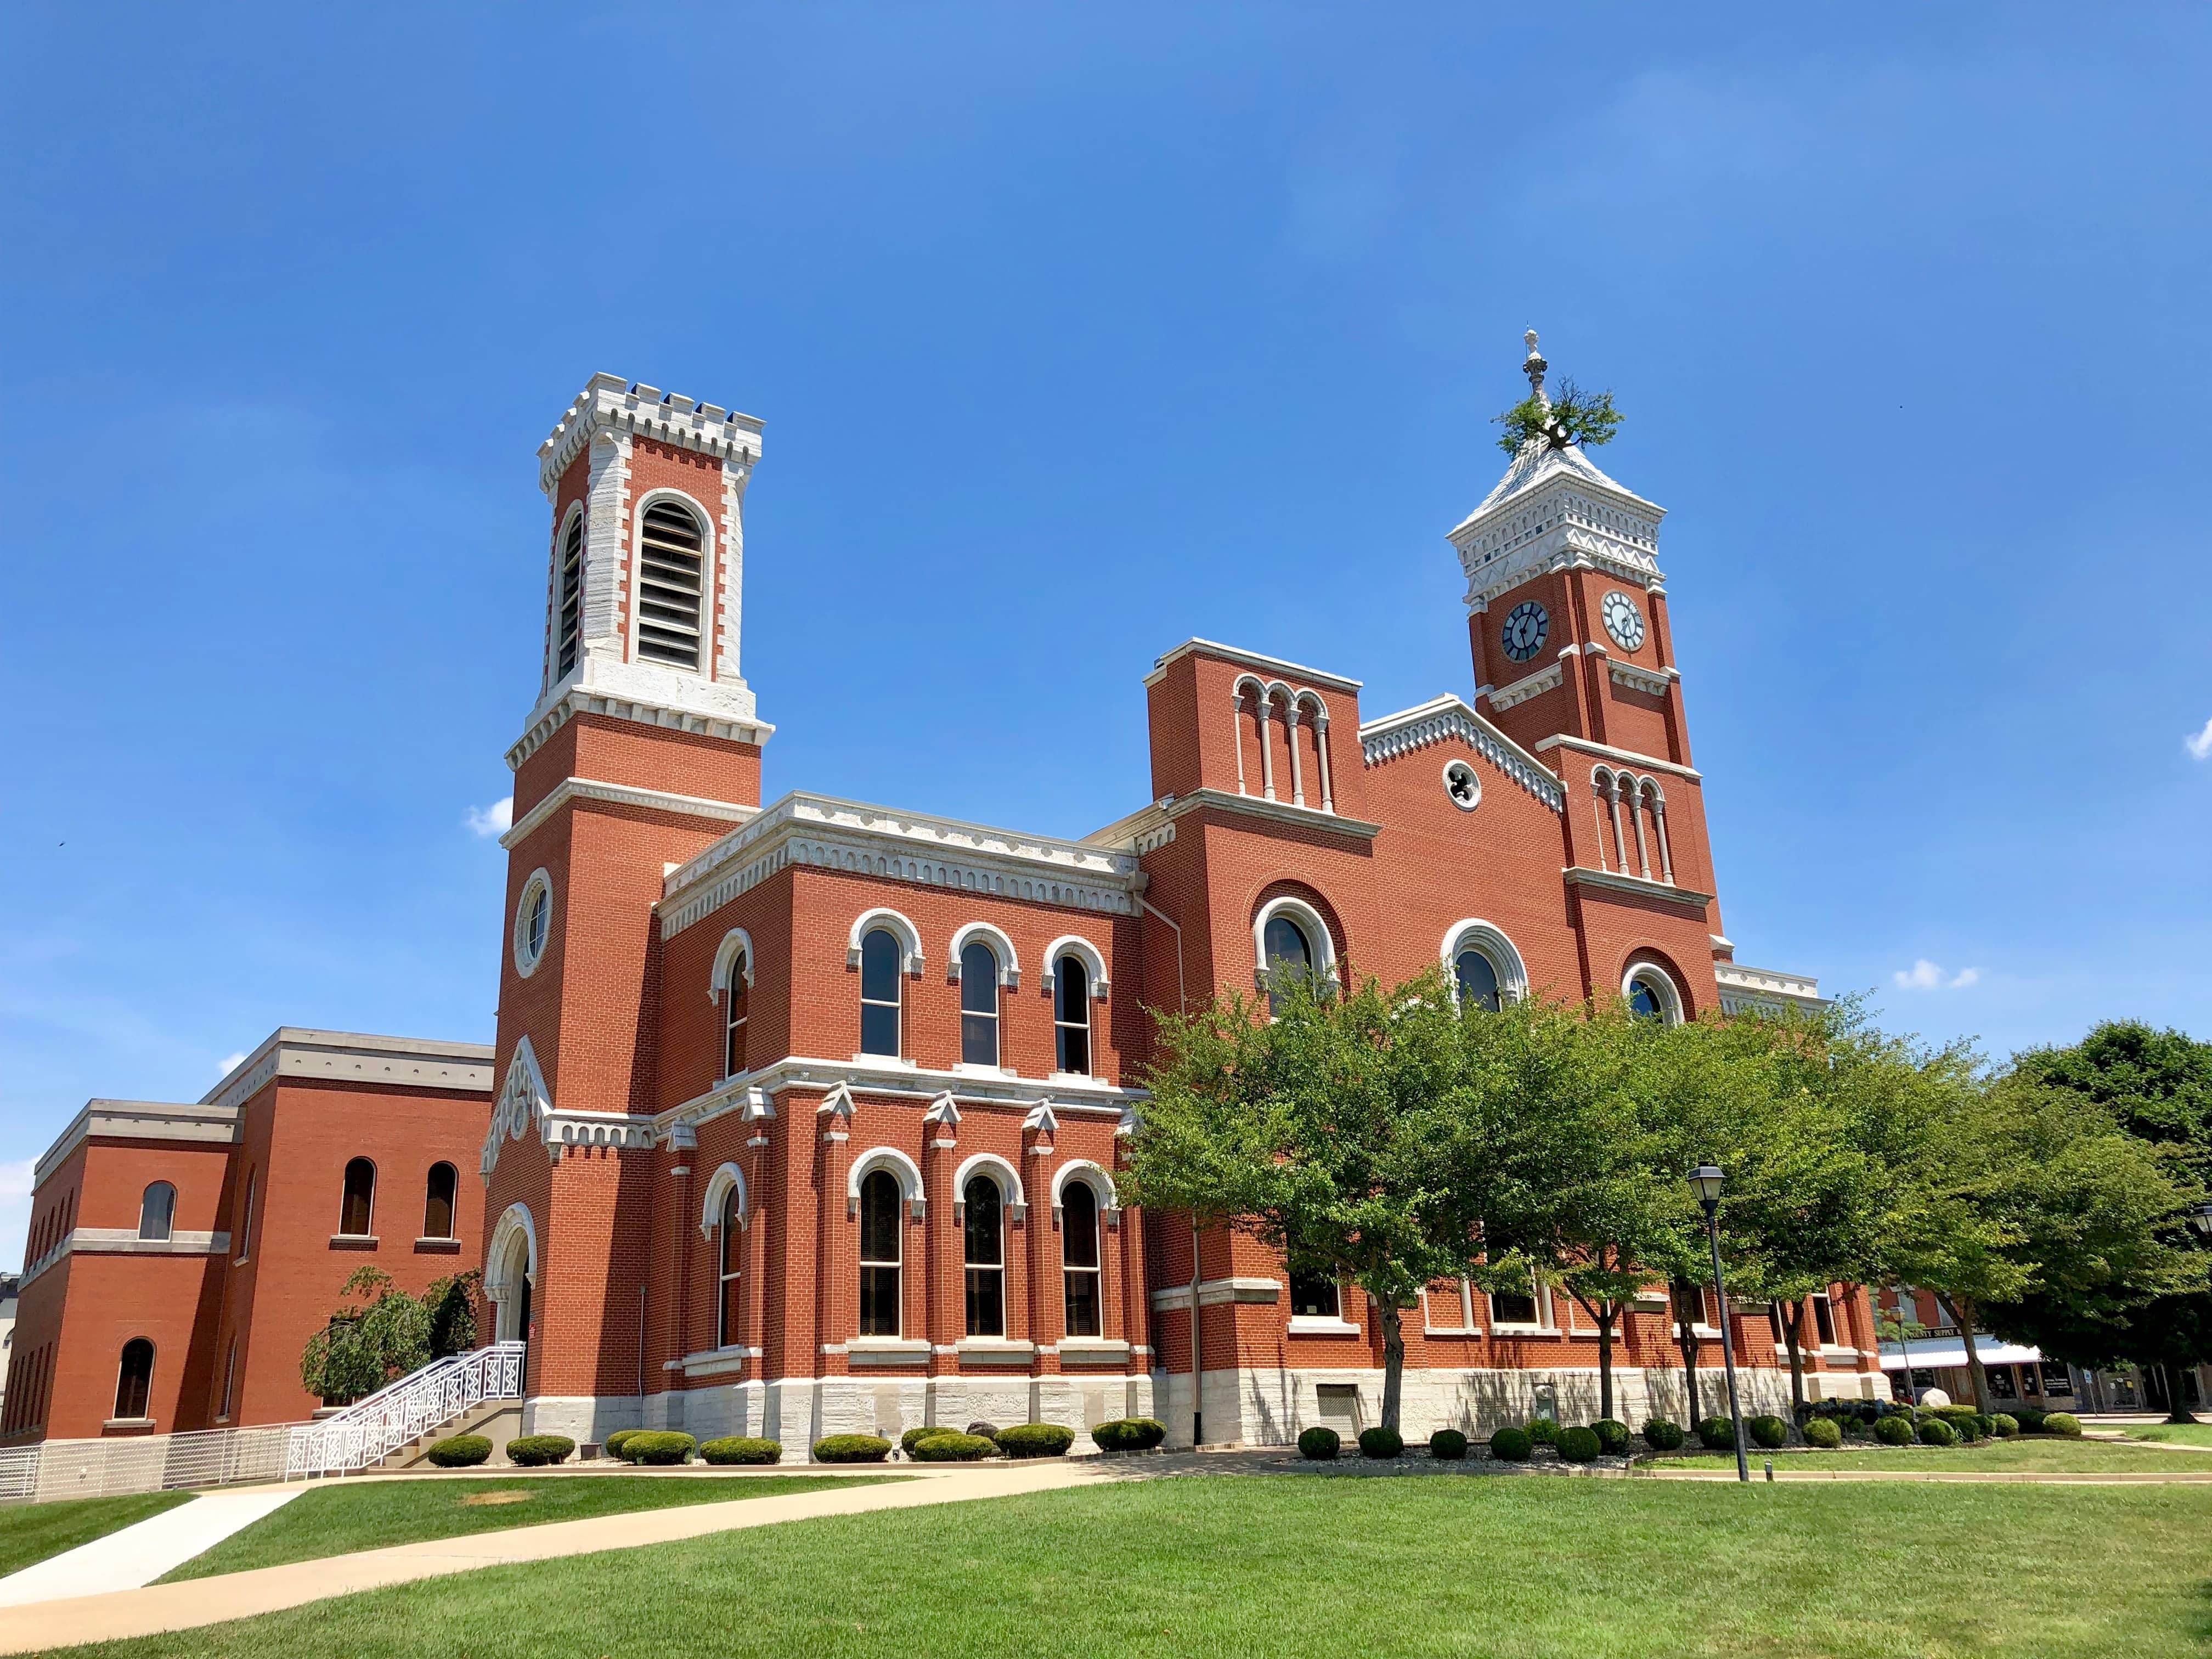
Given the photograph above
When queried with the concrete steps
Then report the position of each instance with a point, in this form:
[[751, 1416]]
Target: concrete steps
[[498, 1420]]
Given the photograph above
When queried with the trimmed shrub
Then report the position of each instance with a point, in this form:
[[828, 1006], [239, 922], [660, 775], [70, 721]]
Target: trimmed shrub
[[852, 1448], [1612, 1436], [1511, 1445], [532, 1451], [914, 1437], [1717, 1434], [1448, 1445], [1935, 1431], [740, 1448], [1895, 1430], [950, 1446], [1578, 1445], [1822, 1433], [1661, 1435], [2030, 1418], [1767, 1431], [613, 1443], [2062, 1423], [659, 1447], [1544, 1430], [1379, 1442], [1035, 1440], [2004, 1425], [1129, 1434], [1319, 1444], [461, 1451]]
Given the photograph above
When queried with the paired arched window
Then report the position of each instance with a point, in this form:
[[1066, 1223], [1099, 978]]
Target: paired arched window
[[880, 1243], [358, 1207], [1071, 1015], [880, 964], [157, 1212], [979, 1005], [438, 1202], [736, 1000], [730, 1259], [1289, 958], [134, 1380], [568, 601], [983, 1243], [1079, 1257], [671, 585], [1653, 994]]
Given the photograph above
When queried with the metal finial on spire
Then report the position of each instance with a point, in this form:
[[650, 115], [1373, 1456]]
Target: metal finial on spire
[[1533, 367]]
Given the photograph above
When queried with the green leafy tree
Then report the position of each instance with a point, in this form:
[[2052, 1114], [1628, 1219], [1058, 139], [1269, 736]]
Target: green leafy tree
[[1575, 417], [1331, 1132], [380, 1333]]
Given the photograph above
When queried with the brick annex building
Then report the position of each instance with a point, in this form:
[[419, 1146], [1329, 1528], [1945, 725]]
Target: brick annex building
[[802, 1117]]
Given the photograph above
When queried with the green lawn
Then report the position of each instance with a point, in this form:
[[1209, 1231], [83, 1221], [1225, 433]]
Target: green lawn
[[32, 1532], [1229, 1567], [2029, 1454], [337, 1520], [2186, 1434]]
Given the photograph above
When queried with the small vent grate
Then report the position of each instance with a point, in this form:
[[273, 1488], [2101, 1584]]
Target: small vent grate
[[568, 630], [668, 586]]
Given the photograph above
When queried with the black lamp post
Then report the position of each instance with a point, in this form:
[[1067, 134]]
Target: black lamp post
[[1705, 1182]]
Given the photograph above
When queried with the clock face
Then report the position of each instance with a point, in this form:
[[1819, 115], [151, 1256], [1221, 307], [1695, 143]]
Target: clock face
[[1525, 629], [1622, 620]]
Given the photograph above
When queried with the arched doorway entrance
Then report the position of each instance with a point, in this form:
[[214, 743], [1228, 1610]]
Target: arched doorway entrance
[[511, 1275]]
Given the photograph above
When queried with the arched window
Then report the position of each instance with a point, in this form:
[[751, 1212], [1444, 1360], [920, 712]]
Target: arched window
[[1071, 1015], [1652, 995], [1078, 1256], [438, 1202], [879, 1255], [984, 1244], [1477, 978], [134, 1380], [669, 585], [879, 992], [979, 1005], [1289, 958], [735, 999], [1314, 1296], [733, 1257], [360, 1205], [157, 1211], [569, 617]]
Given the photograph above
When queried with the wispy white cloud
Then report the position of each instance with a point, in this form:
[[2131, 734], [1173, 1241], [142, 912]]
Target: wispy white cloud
[[1925, 975], [15, 1209], [232, 1062], [2199, 743], [495, 819]]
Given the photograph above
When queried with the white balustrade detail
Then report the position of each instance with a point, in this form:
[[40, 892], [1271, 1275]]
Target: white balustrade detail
[[369, 1429]]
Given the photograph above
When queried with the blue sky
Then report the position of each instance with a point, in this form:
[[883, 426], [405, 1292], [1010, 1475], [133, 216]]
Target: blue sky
[[1077, 331]]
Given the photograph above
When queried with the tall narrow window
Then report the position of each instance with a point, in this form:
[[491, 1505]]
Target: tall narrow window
[[1078, 1256], [732, 1260], [1289, 958], [230, 1380], [355, 1213], [157, 1211], [979, 1005], [134, 1379], [984, 1243], [438, 1202], [879, 1255], [1314, 1296], [246, 1220], [1824, 1321], [1477, 980], [1516, 1307], [670, 586], [879, 993], [736, 1002], [1071, 1015], [568, 624]]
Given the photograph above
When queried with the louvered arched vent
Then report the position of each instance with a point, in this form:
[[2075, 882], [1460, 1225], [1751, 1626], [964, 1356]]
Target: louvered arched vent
[[670, 586], [568, 628]]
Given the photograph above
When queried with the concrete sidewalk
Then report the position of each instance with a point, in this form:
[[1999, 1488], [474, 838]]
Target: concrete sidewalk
[[158, 1608], [1964, 1477], [137, 1554]]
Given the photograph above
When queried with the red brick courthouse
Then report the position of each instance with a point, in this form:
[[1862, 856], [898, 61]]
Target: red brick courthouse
[[802, 1117]]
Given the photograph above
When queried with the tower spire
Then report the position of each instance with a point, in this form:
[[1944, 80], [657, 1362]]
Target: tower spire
[[1533, 367]]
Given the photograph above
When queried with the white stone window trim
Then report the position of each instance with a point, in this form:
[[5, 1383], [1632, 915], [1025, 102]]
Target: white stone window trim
[[1467, 1326], [1322, 1325], [903, 1170], [1491, 940], [719, 1187], [1010, 967], [1003, 1175], [1092, 958], [525, 959], [1310, 922], [1456, 766], [1100, 1183], [735, 940], [709, 585], [907, 935], [1652, 974], [1546, 1322], [553, 675]]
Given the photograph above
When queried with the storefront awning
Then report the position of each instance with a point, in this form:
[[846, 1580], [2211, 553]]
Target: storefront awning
[[1936, 1356]]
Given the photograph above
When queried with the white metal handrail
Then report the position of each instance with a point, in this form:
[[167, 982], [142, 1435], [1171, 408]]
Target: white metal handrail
[[395, 1413]]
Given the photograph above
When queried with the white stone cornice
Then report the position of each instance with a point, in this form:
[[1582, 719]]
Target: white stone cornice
[[1653, 682], [665, 698], [1743, 988], [821, 831], [1258, 806], [1447, 717], [611, 404], [1549, 677], [1249, 659], [355, 1057], [1553, 508], [621, 794], [141, 1120], [1613, 881], [916, 1085], [1585, 746]]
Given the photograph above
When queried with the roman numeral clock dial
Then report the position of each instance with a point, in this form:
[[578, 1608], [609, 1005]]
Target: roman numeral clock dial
[[1524, 630], [1622, 620]]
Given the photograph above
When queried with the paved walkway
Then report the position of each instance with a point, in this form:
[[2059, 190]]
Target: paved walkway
[[136, 1555], [158, 1608]]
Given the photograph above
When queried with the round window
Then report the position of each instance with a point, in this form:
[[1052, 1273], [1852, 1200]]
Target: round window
[[533, 922], [1462, 785]]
